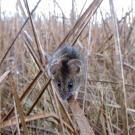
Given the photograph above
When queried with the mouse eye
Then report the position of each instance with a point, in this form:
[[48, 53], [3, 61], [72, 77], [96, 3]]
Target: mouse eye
[[70, 84], [58, 83]]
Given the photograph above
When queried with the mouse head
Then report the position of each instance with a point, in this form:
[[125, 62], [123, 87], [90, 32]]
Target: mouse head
[[66, 76]]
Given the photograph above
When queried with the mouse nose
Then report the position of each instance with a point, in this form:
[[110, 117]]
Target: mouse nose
[[66, 95]]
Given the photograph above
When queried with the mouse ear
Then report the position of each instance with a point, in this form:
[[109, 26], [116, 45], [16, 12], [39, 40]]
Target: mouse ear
[[74, 66], [55, 67]]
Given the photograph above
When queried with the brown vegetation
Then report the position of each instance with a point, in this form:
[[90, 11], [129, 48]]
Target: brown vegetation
[[108, 95]]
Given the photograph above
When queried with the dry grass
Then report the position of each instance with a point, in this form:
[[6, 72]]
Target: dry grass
[[107, 97]]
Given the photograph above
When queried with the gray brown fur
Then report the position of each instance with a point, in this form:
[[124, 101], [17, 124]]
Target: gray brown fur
[[66, 67]]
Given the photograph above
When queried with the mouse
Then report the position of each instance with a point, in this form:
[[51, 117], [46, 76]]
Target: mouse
[[66, 68]]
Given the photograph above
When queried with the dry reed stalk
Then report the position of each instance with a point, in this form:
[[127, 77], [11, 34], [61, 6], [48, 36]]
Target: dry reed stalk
[[12, 121], [58, 110], [81, 23], [85, 19], [28, 43], [17, 121], [38, 44], [120, 72], [88, 50], [4, 76], [19, 4], [78, 115], [109, 82], [18, 104], [82, 8]]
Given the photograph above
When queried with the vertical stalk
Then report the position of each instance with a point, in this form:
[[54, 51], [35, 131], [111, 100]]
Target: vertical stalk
[[120, 71]]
